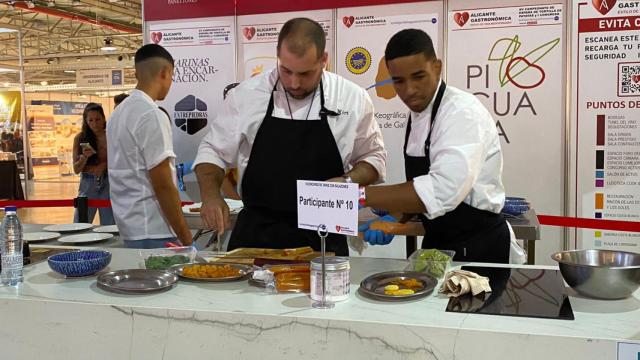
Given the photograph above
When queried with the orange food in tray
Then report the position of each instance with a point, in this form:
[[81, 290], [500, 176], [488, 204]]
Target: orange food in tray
[[210, 271], [289, 268], [293, 281], [390, 227]]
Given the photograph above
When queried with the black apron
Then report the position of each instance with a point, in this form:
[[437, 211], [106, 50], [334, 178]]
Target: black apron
[[475, 235], [283, 152]]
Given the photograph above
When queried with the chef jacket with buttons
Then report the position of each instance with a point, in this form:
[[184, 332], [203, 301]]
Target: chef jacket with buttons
[[232, 133]]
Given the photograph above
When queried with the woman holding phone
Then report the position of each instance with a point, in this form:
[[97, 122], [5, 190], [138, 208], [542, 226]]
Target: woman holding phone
[[90, 161]]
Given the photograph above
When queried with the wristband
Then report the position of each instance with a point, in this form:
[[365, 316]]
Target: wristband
[[362, 197], [347, 179]]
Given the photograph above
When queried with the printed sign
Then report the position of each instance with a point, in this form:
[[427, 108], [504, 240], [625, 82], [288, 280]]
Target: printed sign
[[362, 35], [606, 121], [204, 55], [511, 60], [334, 205], [258, 35], [99, 77]]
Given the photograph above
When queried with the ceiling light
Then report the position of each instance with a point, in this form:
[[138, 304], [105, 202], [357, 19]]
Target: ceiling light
[[51, 3], [30, 4], [70, 71], [76, 3], [108, 45], [44, 83]]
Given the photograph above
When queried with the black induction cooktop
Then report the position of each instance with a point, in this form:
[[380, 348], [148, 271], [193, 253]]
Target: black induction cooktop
[[517, 292]]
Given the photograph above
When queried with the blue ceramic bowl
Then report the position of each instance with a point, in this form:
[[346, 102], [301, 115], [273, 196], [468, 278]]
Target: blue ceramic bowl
[[515, 201], [515, 209], [80, 263]]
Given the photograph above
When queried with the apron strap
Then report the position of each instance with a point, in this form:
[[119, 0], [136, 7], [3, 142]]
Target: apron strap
[[434, 113]]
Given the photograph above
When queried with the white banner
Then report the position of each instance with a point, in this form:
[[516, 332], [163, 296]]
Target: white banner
[[511, 59], [328, 205], [258, 35], [204, 54], [99, 77], [362, 36], [606, 119]]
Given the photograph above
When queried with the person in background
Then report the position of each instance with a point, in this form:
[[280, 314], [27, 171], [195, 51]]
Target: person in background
[[294, 122], [118, 99], [90, 161], [17, 143], [453, 160], [141, 159]]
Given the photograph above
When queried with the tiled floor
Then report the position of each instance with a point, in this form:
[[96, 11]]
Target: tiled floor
[[50, 190]]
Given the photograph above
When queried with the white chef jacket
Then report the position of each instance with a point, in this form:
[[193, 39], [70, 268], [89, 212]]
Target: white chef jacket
[[465, 154], [232, 133], [138, 139]]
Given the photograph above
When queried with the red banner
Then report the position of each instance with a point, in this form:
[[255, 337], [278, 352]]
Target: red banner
[[609, 24], [60, 203], [187, 9], [248, 7]]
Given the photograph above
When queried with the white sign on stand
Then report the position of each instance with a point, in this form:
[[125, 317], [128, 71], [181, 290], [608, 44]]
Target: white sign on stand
[[332, 204], [628, 351]]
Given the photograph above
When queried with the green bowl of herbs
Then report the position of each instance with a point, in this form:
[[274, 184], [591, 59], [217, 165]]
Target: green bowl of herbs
[[431, 261], [164, 262]]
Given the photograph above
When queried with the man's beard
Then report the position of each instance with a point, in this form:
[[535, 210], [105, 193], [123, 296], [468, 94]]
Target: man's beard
[[302, 96]]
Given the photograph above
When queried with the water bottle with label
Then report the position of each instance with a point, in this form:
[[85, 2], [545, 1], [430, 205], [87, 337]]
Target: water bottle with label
[[11, 248]]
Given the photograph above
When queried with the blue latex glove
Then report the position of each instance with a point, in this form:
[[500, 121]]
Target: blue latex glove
[[377, 237], [380, 212]]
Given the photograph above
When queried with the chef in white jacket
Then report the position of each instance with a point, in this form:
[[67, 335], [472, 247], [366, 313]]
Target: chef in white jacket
[[295, 122], [453, 160]]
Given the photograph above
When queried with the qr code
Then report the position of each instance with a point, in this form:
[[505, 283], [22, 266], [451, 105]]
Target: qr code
[[629, 79]]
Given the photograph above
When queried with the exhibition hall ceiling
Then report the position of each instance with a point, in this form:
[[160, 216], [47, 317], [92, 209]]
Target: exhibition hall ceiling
[[60, 37]]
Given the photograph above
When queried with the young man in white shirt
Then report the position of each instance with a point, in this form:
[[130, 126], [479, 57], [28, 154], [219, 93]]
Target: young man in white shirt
[[144, 196], [294, 122], [453, 160]]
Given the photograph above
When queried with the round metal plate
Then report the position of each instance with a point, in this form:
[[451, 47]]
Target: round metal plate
[[40, 236], [137, 281], [65, 228], [373, 286], [85, 238], [111, 229], [245, 270]]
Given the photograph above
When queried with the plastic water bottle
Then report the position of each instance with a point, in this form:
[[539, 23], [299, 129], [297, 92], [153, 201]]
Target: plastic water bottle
[[11, 248]]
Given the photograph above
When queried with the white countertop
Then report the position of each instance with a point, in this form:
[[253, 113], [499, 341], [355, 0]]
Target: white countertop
[[596, 322]]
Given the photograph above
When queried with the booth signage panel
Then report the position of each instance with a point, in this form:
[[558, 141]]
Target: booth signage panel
[[606, 116], [204, 56]]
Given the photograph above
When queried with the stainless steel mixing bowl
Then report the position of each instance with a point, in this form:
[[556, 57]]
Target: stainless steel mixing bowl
[[601, 274]]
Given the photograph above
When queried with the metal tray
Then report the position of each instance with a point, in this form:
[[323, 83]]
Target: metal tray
[[137, 281], [373, 286], [245, 270]]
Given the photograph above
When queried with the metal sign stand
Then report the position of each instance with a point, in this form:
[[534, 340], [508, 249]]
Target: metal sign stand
[[323, 304]]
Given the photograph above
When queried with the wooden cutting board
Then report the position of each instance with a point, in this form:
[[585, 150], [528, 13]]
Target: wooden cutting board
[[247, 256]]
